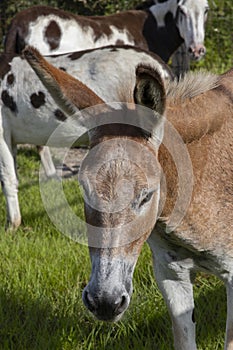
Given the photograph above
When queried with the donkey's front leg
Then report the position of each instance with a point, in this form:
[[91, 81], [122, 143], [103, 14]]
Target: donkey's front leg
[[173, 279], [8, 177], [178, 296]]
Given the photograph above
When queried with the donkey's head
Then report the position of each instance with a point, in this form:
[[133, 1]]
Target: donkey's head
[[121, 181], [190, 18], [120, 177]]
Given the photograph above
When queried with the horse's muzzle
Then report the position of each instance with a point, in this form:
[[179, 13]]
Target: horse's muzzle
[[197, 52]]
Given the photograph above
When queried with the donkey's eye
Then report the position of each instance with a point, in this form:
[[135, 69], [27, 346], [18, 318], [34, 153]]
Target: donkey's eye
[[146, 198], [143, 198]]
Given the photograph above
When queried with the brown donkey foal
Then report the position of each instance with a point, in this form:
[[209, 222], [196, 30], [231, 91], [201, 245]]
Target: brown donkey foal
[[124, 196]]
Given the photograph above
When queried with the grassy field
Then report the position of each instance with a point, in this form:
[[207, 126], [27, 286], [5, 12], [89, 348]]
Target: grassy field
[[43, 274]]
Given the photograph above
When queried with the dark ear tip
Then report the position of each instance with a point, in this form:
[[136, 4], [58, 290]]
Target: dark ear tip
[[141, 68], [31, 53], [146, 70]]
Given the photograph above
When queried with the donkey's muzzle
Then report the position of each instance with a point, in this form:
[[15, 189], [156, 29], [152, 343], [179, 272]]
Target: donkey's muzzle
[[106, 307]]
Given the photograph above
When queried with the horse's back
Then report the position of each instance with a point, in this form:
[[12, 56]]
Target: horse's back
[[50, 29]]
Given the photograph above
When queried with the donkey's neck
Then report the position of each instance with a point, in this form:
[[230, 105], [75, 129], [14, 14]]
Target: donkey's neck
[[205, 123], [193, 120], [199, 115]]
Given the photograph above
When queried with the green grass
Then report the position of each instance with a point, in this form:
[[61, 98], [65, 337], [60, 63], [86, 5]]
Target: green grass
[[43, 274]]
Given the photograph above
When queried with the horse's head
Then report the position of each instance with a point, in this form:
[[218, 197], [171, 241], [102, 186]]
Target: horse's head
[[190, 18], [120, 177], [121, 181]]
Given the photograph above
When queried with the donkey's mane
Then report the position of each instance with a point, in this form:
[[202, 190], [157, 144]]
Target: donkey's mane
[[191, 85]]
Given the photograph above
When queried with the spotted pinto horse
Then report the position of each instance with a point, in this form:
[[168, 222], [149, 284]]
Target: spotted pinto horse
[[29, 114], [157, 26]]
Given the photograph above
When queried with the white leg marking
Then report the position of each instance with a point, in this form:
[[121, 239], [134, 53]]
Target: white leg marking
[[229, 325], [8, 176], [173, 278], [47, 162]]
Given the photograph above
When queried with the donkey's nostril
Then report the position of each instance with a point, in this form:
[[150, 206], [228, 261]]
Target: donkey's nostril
[[190, 50], [89, 301], [122, 305], [105, 306]]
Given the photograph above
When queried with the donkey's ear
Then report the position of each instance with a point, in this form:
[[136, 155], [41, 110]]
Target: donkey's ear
[[68, 92], [149, 90]]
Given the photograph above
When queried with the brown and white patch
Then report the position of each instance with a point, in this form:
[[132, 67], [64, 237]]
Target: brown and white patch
[[53, 35]]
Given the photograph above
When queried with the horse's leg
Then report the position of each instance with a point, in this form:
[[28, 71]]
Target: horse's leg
[[8, 176], [173, 279], [180, 61], [229, 325], [47, 161], [14, 152]]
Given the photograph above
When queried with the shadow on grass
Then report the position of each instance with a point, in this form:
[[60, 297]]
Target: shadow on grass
[[35, 324], [210, 315], [27, 324]]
